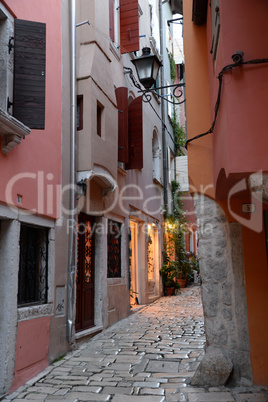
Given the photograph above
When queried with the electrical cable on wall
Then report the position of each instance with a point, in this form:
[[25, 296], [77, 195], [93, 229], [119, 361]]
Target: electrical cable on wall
[[238, 61]]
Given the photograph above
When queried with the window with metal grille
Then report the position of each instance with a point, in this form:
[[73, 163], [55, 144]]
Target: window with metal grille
[[114, 249], [33, 268]]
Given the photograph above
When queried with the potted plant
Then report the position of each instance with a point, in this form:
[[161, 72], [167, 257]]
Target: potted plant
[[169, 273], [184, 271]]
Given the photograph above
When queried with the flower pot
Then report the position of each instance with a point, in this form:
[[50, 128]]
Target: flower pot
[[182, 282], [170, 291]]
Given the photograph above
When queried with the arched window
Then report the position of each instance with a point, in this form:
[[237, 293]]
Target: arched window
[[156, 158]]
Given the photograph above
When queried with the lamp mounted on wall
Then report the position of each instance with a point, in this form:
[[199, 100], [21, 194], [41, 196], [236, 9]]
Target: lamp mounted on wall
[[81, 188], [147, 67]]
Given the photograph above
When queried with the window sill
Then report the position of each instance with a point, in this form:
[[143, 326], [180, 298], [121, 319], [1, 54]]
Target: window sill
[[156, 181], [41, 310], [115, 50], [12, 131]]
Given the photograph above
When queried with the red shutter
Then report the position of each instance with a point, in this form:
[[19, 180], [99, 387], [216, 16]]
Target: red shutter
[[111, 19], [135, 135], [122, 105], [129, 26], [29, 73]]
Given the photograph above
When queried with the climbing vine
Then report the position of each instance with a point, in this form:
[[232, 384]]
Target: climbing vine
[[179, 134]]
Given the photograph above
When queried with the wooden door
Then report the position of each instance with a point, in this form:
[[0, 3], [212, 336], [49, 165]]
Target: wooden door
[[85, 273]]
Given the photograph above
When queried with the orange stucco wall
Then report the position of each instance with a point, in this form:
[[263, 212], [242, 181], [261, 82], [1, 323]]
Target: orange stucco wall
[[240, 137], [33, 168], [197, 105], [239, 141], [31, 351]]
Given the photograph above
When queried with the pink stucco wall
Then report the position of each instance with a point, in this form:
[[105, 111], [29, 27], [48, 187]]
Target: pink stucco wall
[[31, 350], [33, 169], [240, 136]]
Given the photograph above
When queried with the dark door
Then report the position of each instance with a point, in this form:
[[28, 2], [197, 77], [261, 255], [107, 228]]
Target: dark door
[[85, 273]]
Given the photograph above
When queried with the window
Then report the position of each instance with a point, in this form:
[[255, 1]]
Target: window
[[171, 160], [130, 130], [33, 267], [114, 21], [121, 94], [99, 118], [135, 135], [22, 77], [124, 24], [156, 158], [114, 249], [7, 57], [191, 242], [79, 115], [29, 73], [215, 21]]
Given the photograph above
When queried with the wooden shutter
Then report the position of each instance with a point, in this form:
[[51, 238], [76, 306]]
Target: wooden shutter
[[129, 26], [135, 135], [122, 105], [29, 73], [111, 19]]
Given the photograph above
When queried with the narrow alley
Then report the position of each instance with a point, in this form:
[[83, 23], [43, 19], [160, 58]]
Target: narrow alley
[[149, 356]]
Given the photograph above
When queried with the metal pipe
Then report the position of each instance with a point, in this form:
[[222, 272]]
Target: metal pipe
[[73, 169], [164, 142]]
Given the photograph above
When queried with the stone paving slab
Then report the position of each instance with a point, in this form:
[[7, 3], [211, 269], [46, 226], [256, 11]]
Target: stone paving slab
[[148, 357]]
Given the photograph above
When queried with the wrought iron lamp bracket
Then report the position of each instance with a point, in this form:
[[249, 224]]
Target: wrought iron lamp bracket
[[176, 91]]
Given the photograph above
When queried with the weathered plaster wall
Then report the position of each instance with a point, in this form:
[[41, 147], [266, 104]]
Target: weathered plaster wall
[[223, 287], [36, 163], [9, 262]]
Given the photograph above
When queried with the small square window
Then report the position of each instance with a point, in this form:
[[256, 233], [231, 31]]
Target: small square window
[[33, 267], [79, 115], [99, 119]]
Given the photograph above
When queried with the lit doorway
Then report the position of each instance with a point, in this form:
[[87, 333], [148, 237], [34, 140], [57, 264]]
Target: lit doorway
[[152, 260], [133, 263]]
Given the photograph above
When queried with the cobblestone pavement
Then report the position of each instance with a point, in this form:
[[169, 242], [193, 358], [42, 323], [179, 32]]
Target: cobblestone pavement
[[147, 357]]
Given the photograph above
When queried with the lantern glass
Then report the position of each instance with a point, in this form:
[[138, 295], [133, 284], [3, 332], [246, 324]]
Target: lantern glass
[[147, 67]]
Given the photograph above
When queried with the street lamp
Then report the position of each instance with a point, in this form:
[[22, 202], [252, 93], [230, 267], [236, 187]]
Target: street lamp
[[147, 67]]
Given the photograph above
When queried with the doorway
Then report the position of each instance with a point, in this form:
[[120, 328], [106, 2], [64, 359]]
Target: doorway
[[85, 273], [133, 257]]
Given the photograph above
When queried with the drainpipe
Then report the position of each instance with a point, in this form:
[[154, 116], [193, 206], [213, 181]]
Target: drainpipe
[[72, 209], [164, 144]]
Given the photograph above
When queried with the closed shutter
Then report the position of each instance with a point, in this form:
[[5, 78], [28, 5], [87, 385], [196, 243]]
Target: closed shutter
[[111, 19], [122, 105], [129, 26], [135, 135], [29, 73]]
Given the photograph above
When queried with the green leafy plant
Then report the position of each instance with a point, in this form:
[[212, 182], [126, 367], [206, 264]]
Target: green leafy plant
[[176, 258], [173, 67], [179, 134], [169, 273]]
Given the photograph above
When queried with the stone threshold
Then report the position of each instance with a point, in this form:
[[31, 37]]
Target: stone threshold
[[87, 332]]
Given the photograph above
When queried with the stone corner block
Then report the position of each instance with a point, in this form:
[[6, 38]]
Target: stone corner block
[[214, 370]]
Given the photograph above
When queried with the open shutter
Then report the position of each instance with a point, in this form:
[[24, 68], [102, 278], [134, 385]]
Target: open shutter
[[111, 19], [122, 105], [129, 26], [29, 73], [135, 135]]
